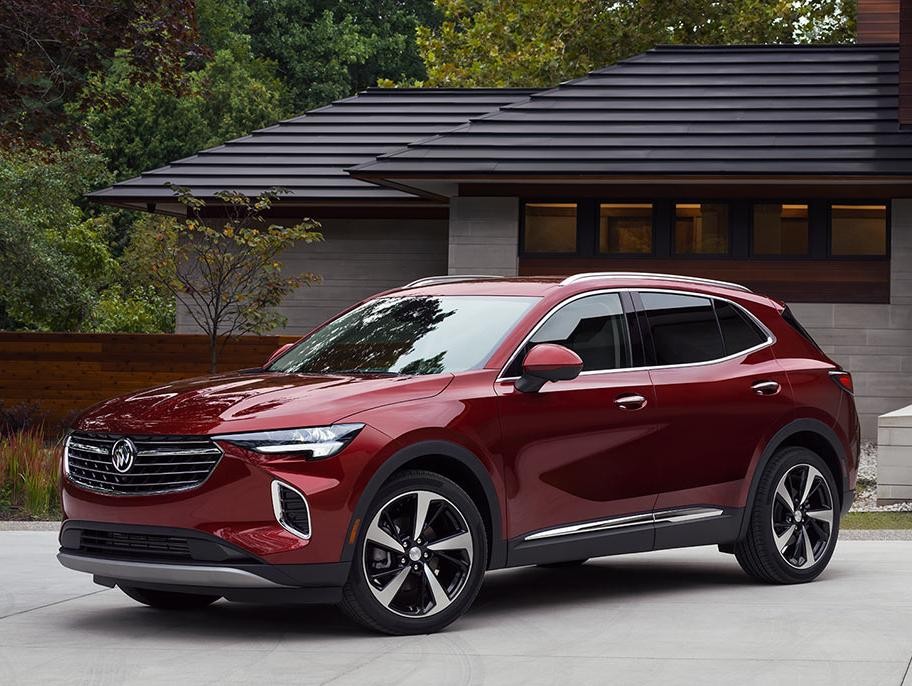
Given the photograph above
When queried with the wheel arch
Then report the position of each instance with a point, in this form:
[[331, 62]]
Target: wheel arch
[[806, 433], [455, 463]]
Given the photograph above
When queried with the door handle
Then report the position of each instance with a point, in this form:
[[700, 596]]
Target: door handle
[[766, 387], [630, 401]]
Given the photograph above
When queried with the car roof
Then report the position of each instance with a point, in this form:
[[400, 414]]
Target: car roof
[[540, 286]]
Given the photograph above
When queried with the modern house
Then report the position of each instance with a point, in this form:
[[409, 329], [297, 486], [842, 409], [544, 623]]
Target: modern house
[[786, 168]]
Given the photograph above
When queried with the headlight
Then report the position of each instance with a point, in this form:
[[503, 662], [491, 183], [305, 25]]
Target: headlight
[[319, 441]]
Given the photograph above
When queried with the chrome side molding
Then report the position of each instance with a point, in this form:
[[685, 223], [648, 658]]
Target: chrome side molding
[[677, 516]]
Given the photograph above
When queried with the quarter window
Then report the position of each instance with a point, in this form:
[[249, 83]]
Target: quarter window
[[738, 332], [550, 228], [683, 327], [593, 327]]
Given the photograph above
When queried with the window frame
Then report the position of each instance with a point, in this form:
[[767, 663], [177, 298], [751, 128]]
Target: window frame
[[640, 339], [654, 233], [888, 230], [732, 214], [813, 223], [550, 201]]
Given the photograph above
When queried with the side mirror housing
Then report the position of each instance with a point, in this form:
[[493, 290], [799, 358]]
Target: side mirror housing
[[277, 354], [547, 362]]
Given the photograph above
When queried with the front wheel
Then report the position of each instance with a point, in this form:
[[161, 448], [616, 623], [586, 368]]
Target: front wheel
[[419, 559], [168, 600], [794, 522]]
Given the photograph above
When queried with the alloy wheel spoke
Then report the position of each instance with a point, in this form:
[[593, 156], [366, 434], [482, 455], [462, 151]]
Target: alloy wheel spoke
[[388, 593], [783, 538], [461, 541], [808, 549], [785, 496], [441, 599], [811, 480], [423, 501], [821, 515], [379, 537]]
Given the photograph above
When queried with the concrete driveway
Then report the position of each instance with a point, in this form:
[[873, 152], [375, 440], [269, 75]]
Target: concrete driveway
[[672, 617]]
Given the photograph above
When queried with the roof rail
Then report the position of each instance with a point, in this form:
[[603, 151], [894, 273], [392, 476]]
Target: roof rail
[[451, 278], [576, 278]]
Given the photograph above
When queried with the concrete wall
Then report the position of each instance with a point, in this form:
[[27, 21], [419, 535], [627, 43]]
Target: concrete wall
[[358, 257], [894, 457], [483, 236], [874, 342]]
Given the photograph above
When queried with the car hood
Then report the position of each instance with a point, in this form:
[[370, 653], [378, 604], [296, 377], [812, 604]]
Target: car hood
[[253, 402]]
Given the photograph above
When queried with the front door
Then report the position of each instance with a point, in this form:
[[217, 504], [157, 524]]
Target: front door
[[580, 454]]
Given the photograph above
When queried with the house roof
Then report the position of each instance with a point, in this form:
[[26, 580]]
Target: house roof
[[309, 154], [820, 111]]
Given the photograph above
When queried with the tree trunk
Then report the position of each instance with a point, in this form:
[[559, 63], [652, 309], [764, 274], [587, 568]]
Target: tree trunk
[[213, 354]]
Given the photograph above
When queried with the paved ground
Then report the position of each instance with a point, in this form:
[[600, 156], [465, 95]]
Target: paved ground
[[673, 617]]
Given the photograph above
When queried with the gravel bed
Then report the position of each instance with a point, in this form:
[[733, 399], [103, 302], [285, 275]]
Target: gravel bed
[[866, 489]]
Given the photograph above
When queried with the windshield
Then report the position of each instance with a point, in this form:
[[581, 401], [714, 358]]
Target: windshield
[[408, 335]]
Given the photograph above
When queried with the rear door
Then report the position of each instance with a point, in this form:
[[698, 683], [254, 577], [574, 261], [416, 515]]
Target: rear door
[[719, 394]]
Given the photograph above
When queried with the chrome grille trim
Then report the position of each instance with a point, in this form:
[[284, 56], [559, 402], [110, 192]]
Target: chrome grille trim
[[153, 471]]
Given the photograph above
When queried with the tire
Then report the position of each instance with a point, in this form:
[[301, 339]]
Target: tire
[[805, 541], [397, 576], [567, 564], [168, 600]]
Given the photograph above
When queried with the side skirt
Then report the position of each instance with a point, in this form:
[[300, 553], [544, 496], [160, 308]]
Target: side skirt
[[679, 528]]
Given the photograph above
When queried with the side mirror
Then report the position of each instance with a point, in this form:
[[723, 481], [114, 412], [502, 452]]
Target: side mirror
[[547, 362], [277, 354]]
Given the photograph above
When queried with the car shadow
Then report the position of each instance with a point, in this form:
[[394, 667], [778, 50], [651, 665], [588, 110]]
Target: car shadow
[[505, 591]]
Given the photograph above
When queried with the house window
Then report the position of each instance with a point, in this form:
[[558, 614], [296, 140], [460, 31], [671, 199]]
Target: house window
[[701, 229], [858, 230], [780, 229], [625, 228], [550, 228]]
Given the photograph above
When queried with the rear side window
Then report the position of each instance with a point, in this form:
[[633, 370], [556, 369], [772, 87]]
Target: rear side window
[[593, 327], [738, 331], [683, 327]]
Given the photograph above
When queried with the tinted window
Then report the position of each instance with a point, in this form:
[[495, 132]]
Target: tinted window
[[858, 230], [593, 327], [738, 331], [407, 335], [550, 227], [684, 328]]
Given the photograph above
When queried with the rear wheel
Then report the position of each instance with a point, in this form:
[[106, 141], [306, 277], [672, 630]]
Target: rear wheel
[[794, 522], [168, 600], [419, 558]]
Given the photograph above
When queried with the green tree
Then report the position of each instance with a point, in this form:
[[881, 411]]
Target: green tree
[[533, 43], [329, 49], [228, 274], [141, 126], [54, 256]]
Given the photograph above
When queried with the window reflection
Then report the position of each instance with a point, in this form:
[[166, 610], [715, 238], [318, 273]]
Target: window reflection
[[550, 227], [701, 229], [780, 229], [858, 230], [625, 228]]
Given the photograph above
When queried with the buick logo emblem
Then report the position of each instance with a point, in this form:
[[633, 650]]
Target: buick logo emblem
[[123, 454]]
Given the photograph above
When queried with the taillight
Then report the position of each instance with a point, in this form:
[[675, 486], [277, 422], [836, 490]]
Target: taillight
[[843, 380]]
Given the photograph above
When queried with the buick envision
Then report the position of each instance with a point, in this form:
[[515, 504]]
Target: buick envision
[[461, 424]]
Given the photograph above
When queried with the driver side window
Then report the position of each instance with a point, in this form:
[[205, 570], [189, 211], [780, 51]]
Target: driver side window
[[594, 327]]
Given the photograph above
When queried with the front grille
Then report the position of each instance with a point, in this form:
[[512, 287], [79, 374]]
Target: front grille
[[142, 546], [162, 464]]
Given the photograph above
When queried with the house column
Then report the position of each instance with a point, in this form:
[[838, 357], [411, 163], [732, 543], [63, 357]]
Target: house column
[[484, 236]]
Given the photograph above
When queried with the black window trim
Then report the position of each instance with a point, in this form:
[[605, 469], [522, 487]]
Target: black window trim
[[636, 307]]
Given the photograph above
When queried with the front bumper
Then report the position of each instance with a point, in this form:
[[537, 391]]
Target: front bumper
[[187, 561]]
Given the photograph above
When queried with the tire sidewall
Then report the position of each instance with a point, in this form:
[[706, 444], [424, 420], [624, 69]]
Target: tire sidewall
[[358, 584], [784, 461]]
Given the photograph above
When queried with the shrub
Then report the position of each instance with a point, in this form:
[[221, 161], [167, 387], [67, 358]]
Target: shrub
[[29, 472]]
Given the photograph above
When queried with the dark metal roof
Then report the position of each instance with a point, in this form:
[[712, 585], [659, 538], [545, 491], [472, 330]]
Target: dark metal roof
[[741, 110], [309, 154]]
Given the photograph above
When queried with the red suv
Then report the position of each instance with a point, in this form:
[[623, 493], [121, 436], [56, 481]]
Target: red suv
[[460, 424]]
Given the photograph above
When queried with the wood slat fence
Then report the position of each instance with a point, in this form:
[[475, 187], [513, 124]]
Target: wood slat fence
[[63, 373]]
